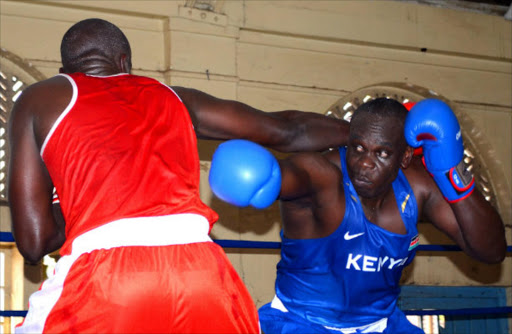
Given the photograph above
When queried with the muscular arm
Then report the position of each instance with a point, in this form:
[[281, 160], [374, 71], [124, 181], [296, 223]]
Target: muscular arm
[[472, 223], [312, 198], [469, 220], [285, 131], [35, 229]]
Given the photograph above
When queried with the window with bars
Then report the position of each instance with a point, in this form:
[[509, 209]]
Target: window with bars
[[10, 89], [345, 107]]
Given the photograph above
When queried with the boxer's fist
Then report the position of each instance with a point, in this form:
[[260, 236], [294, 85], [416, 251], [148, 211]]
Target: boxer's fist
[[432, 125], [244, 173]]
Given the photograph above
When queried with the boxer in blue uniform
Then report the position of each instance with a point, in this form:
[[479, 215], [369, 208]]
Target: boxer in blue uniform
[[349, 278], [349, 215]]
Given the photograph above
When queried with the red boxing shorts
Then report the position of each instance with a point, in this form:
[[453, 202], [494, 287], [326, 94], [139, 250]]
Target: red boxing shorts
[[143, 275]]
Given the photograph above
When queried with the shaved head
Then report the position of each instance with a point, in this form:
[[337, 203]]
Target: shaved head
[[387, 114], [382, 107], [93, 43]]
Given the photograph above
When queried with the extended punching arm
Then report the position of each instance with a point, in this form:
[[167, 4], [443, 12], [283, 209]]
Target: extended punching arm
[[432, 124], [283, 131], [244, 173]]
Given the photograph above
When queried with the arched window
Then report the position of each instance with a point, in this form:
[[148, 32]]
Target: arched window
[[15, 75], [475, 145]]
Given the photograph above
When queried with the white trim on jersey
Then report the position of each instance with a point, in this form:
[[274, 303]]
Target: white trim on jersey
[[64, 113]]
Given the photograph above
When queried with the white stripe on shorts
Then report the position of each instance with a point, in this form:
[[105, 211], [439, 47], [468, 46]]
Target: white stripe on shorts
[[143, 231]]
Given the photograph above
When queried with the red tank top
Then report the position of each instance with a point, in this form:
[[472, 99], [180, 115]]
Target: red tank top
[[124, 147]]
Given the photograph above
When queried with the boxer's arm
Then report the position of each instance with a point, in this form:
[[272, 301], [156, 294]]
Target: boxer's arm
[[35, 230], [308, 185], [244, 173], [285, 131], [312, 198], [472, 223], [451, 202], [310, 175]]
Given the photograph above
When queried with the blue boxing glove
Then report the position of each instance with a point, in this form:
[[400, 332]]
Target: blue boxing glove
[[432, 124], [244, 173]]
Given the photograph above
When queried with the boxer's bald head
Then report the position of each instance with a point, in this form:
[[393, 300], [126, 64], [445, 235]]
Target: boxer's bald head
[[382, 107], [385, 113], [95, 46]]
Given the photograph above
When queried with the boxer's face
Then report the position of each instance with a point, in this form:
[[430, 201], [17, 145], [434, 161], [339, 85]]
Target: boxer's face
[[374, 153]]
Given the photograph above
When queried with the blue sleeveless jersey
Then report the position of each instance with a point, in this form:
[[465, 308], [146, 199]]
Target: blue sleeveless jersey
[[351, 277]]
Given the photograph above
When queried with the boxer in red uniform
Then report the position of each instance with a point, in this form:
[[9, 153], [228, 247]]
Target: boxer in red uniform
[[121, 152]]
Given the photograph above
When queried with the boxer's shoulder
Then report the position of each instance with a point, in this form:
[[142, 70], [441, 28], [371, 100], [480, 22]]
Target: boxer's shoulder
[[41, 104], [46, 93]]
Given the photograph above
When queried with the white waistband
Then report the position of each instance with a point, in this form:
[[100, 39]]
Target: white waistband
[[145, 231], [375, 327], [175, 229]]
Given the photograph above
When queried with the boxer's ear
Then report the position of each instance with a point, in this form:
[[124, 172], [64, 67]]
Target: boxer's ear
[[407, 157], [125, 64]]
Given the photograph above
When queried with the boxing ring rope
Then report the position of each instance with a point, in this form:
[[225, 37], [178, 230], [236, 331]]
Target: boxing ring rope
[[277, 245], [227, 243], [248, 244], [6, 237]]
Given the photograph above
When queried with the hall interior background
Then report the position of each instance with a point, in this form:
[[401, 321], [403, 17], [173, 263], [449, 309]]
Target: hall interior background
[[307, 55]]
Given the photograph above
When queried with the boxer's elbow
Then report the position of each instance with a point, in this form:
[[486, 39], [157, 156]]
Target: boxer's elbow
[[492, 255], [497, 249], [31, 250], [499, 254], [31, 258], [34, 245], [495, 259]]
